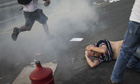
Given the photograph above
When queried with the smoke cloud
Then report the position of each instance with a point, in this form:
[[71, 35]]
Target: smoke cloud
[[71, 16], [66, 18]]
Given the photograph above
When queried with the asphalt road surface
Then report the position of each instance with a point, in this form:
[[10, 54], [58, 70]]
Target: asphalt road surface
[[72, 68]]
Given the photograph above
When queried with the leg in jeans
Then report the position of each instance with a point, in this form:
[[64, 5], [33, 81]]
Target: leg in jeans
[[134, 64], [129, 46]]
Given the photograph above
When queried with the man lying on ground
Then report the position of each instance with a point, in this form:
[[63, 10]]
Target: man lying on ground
[[104, 51]]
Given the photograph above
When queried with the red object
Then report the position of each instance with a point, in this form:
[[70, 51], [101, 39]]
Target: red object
[[41, 75]]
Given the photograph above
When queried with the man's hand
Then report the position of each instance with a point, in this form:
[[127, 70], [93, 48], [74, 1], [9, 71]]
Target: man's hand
[[47, 2], [89, 48]]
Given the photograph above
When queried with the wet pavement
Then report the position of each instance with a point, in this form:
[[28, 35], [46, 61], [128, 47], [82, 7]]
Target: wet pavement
[[71, 64]]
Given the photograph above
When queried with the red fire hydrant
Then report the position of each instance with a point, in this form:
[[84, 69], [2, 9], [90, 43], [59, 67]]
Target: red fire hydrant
[[41, 75]]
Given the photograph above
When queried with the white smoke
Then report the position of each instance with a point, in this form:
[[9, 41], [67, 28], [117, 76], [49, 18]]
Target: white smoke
[[66, 18], [70, 16]]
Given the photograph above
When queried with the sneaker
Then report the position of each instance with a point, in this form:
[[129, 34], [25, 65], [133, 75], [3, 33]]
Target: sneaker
[[15, 33], [110, 82]]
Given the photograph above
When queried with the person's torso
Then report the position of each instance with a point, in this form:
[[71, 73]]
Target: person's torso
[[31, 7], [135, 14], [115, 48]]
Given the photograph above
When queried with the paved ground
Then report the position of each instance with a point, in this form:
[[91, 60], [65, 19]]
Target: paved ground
[[94, 22]]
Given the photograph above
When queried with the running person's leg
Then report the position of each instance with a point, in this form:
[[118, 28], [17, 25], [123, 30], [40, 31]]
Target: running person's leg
[[29, 21], [42, 18], [129, 46], [134, 64]]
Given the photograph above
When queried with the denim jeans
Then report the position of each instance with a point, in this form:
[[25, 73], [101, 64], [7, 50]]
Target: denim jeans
[[134, 64], [126, 54]]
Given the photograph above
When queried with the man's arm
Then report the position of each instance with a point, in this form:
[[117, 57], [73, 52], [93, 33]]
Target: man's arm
[[92, 64], [101, 49]]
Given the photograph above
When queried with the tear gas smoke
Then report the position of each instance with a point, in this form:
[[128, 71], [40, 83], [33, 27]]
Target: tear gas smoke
[[65, 19], [71, 16]]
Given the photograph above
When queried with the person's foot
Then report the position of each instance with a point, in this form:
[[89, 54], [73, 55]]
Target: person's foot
[[15, 33], [110, 82]]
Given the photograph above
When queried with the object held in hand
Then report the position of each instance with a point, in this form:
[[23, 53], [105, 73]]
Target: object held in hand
[[47, 2]]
